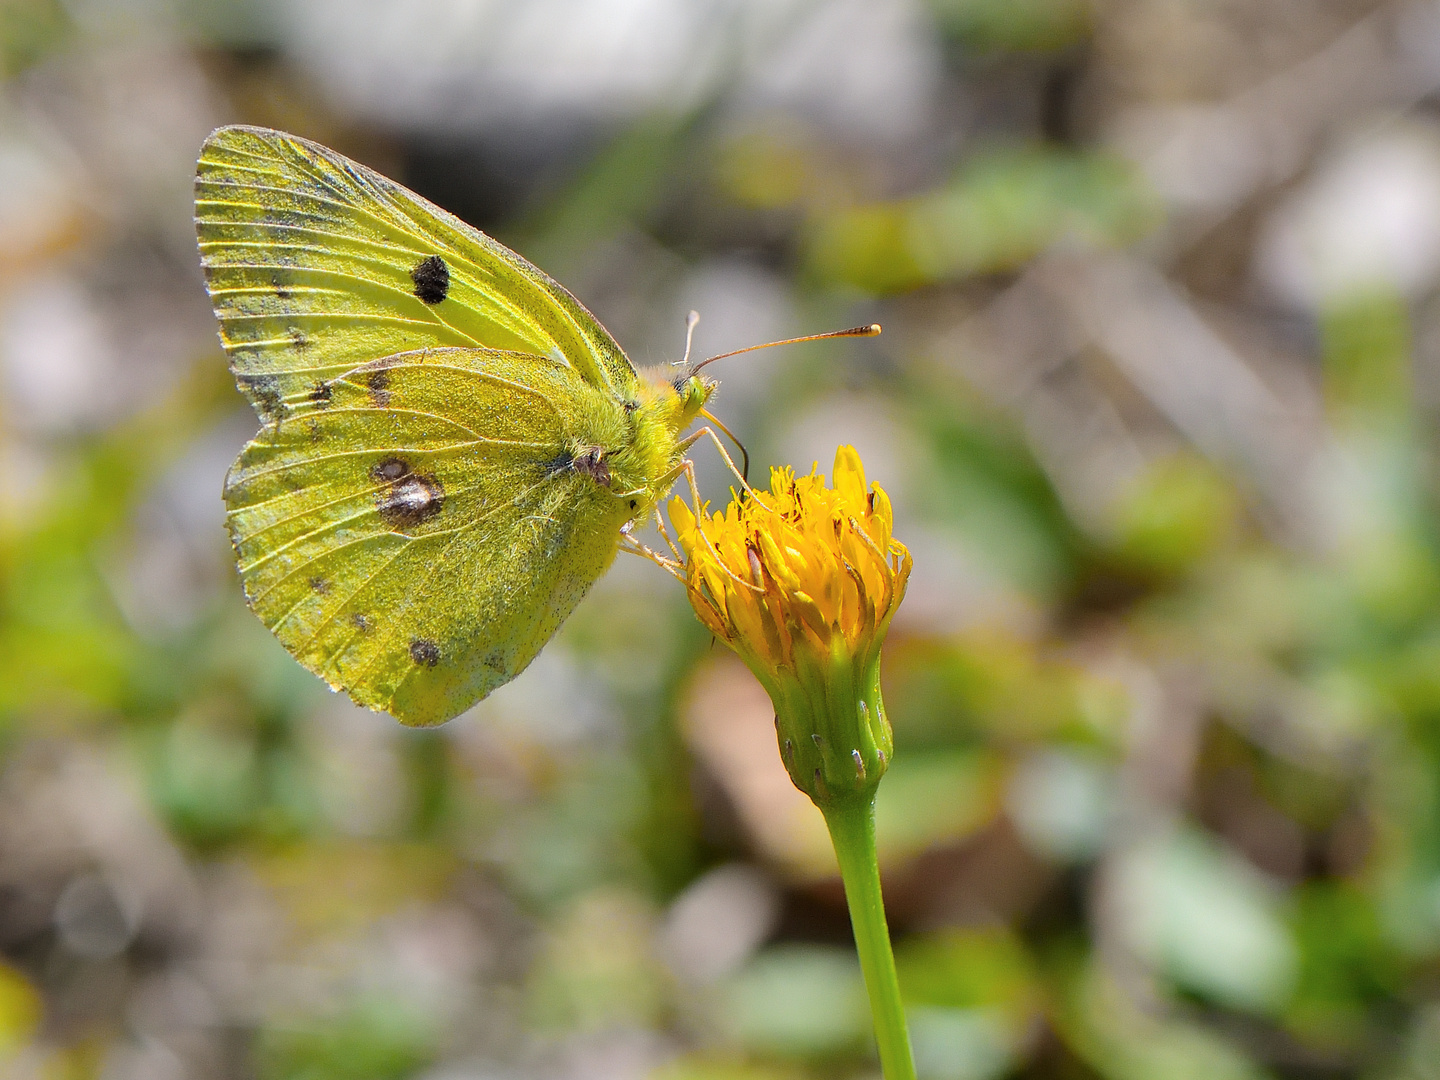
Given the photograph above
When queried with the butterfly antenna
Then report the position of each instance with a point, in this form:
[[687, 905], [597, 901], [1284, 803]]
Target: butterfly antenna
[[744, 454], [854, 331], [691, 321]]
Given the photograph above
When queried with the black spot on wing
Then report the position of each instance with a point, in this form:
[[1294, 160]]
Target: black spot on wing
[[361, 622], [389, 470], [425, 653], [379, 384], [320, 394], [406, 498], [432, 279]]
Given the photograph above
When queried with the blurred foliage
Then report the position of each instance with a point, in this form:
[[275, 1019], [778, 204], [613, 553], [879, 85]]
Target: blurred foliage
[[375, 1040], [993, 25], [1166, 691], [29, 29], [805, 1001], [19, 1012], [1002, 209]]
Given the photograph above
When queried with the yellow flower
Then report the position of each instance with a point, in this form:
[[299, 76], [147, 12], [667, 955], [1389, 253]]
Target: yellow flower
[[802, 582]]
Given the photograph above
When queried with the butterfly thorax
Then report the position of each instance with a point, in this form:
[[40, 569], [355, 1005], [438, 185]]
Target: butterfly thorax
[[662, 411]]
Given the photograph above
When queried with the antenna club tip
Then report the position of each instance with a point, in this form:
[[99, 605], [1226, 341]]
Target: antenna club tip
[[855, 331]]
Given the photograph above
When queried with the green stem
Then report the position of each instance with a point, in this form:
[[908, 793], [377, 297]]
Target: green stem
[[852, 831]]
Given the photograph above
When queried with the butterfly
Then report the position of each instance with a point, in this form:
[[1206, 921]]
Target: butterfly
[[453, 447]]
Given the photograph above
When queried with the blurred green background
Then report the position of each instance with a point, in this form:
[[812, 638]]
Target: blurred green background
[[1156, 402]]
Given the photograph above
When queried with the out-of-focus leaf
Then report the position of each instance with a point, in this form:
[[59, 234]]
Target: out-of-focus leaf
[[959, 1044], [772, 169], [1120, 1042], [1367, 356], [988, 486], [379, 1039], [992, 686], [62, 637], [20, 1010], [332, 889], [622, 183], [1174, 516], [1063, 801], [1014, 25], [1347, 968], [205, 782], [798, 1001], [971, 997], [930, 798], [29, 30], [985, 967], [597, 970], [698, 1068], [1003, 209], [1207, 920]]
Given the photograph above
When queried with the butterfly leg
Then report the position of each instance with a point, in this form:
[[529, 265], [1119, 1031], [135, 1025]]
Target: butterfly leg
[[688, 468], [689, 441], [665, 532], [635, 547], [685, 468], [627, 538]]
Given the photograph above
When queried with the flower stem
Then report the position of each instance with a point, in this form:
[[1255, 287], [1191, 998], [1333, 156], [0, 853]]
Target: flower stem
[[852, 831]]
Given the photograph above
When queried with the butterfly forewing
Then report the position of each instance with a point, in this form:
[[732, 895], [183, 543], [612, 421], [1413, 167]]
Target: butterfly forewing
[[415, 536], [315, 263]]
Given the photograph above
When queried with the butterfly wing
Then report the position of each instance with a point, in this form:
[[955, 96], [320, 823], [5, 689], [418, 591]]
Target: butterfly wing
[[315, 263], [419, 533]]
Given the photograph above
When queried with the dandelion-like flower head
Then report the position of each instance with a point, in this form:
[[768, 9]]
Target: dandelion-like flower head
[[802, 581]]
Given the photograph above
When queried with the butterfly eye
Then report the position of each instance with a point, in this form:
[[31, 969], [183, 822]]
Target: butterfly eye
[[694, 392]]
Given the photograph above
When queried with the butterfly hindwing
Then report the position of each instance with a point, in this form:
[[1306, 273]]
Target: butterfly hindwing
[[315, 263], [418, 531]]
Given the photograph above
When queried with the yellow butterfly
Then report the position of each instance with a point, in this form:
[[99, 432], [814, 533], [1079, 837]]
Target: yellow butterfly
[[453, 448]]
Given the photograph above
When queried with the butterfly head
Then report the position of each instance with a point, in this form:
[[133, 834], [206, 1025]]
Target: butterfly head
[[694, 391]]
